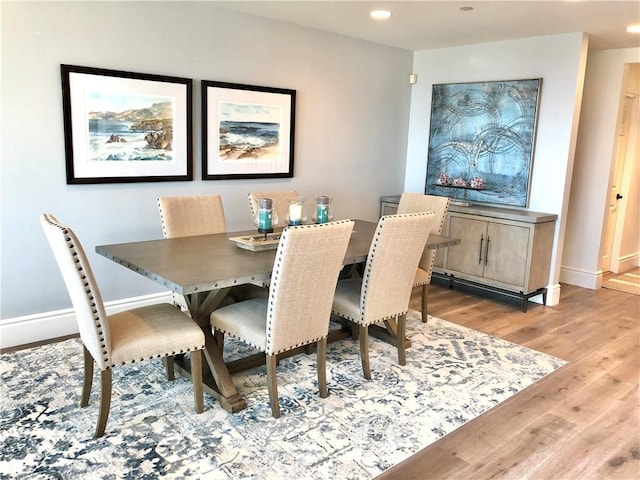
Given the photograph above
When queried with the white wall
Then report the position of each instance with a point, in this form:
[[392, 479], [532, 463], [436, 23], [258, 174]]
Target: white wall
[[560, 61], [351, 125], [593, 165]]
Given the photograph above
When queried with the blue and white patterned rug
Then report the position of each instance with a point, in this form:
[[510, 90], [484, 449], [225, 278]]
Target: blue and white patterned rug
[[453, 374]]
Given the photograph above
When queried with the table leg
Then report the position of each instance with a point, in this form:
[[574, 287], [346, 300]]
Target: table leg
[[388, 334], [216, 376]]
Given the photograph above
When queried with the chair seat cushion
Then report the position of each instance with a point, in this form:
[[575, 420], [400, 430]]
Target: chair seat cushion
[[151, 332], [246, 320], [346, 300], [421, 278]]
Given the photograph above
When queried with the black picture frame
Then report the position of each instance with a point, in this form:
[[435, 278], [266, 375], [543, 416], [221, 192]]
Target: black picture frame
[[124, 127], [248, 131]]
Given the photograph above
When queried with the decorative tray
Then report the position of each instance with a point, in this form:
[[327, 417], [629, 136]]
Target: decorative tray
[[258, 242]]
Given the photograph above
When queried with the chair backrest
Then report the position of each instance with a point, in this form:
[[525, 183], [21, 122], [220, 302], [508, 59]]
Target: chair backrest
[[82, 287], [280, 203], [187, 216], [391, 265], [416, 202], [305, 273]]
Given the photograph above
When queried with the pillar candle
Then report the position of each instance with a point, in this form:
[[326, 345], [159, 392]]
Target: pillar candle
[[295, 214]]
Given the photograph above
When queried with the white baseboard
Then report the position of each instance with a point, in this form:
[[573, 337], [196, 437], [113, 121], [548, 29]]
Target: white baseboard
[[626, 263], [553, 295], [59, 323], [581, 278]]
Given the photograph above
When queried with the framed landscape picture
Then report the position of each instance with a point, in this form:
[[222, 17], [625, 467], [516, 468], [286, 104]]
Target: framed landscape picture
[[126, 127], [481, 141], [247, 131]]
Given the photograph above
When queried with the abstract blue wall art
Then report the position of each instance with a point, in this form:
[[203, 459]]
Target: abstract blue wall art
[[481, 141]]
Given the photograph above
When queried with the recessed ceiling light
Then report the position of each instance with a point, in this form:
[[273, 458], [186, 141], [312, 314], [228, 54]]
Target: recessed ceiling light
[[466, 9], [380, 14], [633, 29]]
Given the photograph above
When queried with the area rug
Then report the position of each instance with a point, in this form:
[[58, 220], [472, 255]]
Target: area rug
[[453, 374], [628, 282]]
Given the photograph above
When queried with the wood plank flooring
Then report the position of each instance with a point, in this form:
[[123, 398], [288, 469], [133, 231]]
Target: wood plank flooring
[[581, 422]]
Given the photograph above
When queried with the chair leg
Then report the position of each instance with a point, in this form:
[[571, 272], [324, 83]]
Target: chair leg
[[196, 379], [219, 337], [425, 301], [105, 401], [322, 367], [88, 377], [273, 385], [363, 333], [169, 367], [402, 329]]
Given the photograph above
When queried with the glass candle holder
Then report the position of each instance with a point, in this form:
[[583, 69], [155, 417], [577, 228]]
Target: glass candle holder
[[266, 217], [295, 212], [324, 212]]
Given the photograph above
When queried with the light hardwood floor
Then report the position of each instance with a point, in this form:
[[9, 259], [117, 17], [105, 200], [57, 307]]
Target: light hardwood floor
[[580, 422]]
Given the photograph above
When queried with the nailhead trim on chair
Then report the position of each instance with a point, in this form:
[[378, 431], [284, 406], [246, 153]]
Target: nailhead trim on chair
[[433, 259], [160, 355], [251, 206], [259, 347], [262, 347], [429, 270], [367, 275], [272, 289], [365, 280], [162, 220], [96, 317]]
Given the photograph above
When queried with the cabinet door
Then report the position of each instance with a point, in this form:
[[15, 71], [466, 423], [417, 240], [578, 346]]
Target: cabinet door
[[469, 255], [506, 256]]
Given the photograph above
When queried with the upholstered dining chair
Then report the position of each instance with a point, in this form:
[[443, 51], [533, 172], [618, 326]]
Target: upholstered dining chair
[[384, 290], [186, 216], [280, 203], [145, 333], [415, 202], [298, 309]]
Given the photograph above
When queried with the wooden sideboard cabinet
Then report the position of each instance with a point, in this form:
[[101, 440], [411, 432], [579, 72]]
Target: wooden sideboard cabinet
[[389, 204], [504, 250]]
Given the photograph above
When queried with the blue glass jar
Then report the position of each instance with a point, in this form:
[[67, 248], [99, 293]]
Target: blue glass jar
[[324, 213], [265, 215]]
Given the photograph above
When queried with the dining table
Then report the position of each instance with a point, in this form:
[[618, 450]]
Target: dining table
[[209, 270]]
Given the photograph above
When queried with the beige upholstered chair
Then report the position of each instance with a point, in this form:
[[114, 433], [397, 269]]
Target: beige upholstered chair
[[280, 203], [187, 216], [384, 290], [297, 311], [145, 333], [415, 202], [191, 215]]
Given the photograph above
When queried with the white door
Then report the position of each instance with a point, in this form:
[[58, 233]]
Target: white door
[[615, 194]]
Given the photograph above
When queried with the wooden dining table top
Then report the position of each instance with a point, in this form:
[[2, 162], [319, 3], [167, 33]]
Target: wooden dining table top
[[209, 262]]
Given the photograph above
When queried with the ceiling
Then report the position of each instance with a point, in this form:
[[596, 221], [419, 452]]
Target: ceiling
[[422, 25]]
